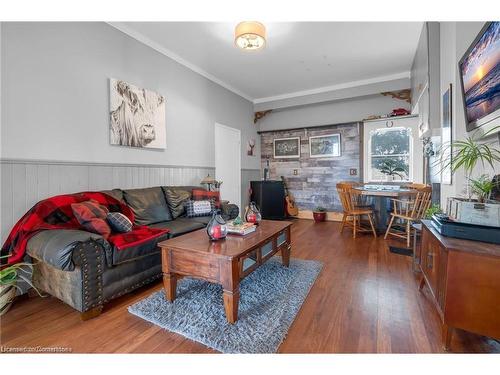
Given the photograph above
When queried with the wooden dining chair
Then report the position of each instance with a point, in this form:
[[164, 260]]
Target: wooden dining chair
[[353, 214], [360, 201], [406, 212]]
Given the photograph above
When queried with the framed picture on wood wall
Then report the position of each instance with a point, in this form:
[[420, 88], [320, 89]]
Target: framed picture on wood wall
[[286, 148], [324, 146]]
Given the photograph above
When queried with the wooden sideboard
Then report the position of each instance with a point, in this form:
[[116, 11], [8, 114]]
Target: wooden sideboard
[[464, 280]]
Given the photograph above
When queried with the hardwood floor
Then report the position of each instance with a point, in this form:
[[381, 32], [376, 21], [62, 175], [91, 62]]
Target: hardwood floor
[[366, 300]]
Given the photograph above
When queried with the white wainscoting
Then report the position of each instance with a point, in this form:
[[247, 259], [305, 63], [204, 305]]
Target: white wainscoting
[[25, 182]]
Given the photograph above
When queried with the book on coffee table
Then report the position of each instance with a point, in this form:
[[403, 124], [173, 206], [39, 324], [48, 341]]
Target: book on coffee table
[[241, 229]]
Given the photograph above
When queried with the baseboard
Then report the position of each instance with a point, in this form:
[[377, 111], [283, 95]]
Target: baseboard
[[330, 215]]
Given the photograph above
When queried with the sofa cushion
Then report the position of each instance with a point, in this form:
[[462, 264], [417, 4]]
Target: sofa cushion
[[201, 219], [176, 198], [136, 250], [179, 226], [149, 205]]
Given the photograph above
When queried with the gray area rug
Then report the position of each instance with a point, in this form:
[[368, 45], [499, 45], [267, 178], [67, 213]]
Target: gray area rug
[[270, 298]]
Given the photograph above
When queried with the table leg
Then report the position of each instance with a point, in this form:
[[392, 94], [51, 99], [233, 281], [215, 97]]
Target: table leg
[[231, 302], [381, 210], [285, 254], [447, 331], [170, 285]]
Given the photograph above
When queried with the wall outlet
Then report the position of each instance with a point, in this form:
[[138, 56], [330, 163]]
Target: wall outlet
[[295, 172], [353, 171]]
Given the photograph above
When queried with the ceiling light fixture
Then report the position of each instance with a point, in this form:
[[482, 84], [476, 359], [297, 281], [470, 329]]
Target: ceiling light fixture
[[250, 35]]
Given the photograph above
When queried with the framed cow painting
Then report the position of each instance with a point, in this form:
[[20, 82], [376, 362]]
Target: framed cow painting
[[137, 116]]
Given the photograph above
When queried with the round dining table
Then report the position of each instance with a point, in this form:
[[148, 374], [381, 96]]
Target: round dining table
[[381, 195]]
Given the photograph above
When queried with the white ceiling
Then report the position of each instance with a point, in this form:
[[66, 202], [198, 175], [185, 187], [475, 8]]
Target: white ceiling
[[299, 56]]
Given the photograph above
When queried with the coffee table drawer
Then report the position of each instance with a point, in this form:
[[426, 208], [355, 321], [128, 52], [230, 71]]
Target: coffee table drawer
[[192, 264]]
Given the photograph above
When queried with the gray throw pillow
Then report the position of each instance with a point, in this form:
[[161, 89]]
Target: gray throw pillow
[[119, 222], [176, 200]]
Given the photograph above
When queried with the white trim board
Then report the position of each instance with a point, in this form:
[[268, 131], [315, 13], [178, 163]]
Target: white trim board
[[340, 86]]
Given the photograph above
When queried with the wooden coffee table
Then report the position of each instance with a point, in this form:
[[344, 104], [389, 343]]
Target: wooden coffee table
[[224, 262]]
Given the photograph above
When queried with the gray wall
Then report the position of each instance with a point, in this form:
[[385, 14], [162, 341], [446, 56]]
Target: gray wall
[[56, 76], [337, 112], [315, 183], [456, 37], [55, 115]]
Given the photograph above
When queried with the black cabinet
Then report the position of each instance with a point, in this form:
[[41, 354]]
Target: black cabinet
[[270, 198]]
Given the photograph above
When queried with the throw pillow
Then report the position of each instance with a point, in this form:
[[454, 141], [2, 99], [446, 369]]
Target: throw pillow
[[200, 208], [176, 199], [92, 217], [200, 195], [119, 222]]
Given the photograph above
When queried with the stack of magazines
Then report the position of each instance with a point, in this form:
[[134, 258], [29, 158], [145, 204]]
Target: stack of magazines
[[240, 229]]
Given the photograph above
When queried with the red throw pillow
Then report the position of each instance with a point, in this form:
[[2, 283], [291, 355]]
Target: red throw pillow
[[201, 195], [92, 216]]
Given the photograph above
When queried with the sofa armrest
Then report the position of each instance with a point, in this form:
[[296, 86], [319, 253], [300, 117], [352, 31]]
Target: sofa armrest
[[55, 246], [229, 211]]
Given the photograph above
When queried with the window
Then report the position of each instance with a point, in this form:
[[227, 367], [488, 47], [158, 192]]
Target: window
[[392, 150], [390, 154]]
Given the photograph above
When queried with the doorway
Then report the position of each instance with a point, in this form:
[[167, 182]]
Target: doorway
[[228, 162]]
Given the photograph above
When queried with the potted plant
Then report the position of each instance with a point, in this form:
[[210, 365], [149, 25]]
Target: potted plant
[[434, 209], [482, 187], [319, 214], [467, 153], [391, 168], [8, 283]]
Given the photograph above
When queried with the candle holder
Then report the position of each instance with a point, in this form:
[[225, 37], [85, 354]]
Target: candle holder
[[216, 227], [252, 215]]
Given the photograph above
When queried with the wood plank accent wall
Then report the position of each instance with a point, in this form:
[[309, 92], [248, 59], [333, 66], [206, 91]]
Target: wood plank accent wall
[[316, 179], [24, 183]]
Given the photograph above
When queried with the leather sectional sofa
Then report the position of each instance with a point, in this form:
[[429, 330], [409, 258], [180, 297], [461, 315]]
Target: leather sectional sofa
[[85, 271]]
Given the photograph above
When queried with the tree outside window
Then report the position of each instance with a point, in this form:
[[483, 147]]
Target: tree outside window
[[390, 154]]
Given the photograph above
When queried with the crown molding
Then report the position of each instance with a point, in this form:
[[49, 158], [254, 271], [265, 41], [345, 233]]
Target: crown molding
[[164, 51], [195, 68], [339, 86]]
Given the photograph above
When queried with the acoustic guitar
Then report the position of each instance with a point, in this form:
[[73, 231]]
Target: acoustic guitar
[[290, 206]]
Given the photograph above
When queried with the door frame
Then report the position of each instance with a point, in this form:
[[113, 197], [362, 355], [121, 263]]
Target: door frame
[[238, 131]]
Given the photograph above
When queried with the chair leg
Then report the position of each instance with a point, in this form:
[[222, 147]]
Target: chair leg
[[343, 223], [389, 227], [371, 224], [354, 217], [408, 233]]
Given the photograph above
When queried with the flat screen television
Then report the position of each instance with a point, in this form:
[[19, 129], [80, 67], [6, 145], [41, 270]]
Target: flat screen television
[[480, 79]]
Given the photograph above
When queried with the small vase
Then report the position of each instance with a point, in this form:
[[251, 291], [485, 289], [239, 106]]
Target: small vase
[[216, 227], [252, 215]]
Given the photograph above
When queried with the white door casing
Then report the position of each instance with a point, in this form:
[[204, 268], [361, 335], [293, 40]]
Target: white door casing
[[228, 162]]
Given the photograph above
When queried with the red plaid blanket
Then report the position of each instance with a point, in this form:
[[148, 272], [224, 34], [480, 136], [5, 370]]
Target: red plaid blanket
[[56, 213]]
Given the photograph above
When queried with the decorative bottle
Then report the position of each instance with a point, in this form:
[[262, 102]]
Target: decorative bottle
[[252, 215], [266, 171], [216, 227]]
